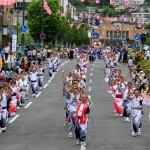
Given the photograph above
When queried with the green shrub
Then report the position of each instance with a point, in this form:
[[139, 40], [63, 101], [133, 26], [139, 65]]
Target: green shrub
[[145, 66]]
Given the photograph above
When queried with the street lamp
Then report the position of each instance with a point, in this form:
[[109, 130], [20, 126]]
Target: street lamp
[[17, 8]]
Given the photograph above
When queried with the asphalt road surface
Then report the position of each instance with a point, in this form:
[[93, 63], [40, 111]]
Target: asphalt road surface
[[39, 126]]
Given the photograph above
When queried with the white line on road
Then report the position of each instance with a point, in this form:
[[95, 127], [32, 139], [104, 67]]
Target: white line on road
[[83, 147], [38, 94], [90, 89], [28, 104], [90, 81], [91, 69], [14, 118], [91, 74], [45, 86]]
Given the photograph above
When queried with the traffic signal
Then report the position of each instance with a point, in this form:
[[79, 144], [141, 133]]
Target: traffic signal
[[82, 24]]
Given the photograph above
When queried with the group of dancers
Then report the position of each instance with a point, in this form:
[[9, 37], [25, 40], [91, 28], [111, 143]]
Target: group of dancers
[[128, 99], [78, 102], [14, 90]]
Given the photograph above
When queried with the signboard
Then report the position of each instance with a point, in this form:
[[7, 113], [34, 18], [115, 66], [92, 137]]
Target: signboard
[[23, 28], [42, 36], [137, 37], [14, 42], [1, 62], [95, 35]]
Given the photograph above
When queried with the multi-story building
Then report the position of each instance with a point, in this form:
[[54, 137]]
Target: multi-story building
[[117, 32], [6, 25], [138, 2]]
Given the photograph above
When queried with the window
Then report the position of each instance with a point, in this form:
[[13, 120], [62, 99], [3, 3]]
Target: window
[[107, 34], [127, 34], [123, 34]]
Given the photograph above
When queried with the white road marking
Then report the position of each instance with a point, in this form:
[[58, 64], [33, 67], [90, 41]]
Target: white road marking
[[91, 74], [83, 147], [90, 81], [14, 118], [91, 69], [45, 86], [90, 89], [38, 94], [28, 104]]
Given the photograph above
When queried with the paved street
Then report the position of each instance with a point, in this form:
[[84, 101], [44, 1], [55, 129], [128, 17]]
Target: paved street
[[40, 125]]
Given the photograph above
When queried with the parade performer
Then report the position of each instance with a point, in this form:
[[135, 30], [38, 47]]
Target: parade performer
[[41, 70], [128, 96], [24, 90], [81, 118], [34, 79], [3, 109], [50, 65]]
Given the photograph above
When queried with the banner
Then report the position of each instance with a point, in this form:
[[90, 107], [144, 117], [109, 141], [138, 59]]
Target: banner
[[14, 42]]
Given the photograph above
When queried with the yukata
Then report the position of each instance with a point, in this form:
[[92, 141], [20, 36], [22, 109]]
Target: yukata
[[34, 82], [127, 103], [81, 120], [40, 77], [50, 65], [136, 105]]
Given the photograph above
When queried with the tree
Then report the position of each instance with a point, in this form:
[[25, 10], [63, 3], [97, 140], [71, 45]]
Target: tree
[[148, 41], [54, 26]]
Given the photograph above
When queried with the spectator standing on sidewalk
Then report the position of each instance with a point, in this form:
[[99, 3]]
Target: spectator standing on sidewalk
[[6, 51], [125, 56], [147, 53]]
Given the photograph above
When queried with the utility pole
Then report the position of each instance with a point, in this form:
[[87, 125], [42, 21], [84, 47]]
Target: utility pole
[[42, 30], [22, 38]]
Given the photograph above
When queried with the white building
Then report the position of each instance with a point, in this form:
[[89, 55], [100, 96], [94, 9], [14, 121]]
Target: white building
[[139, 2]]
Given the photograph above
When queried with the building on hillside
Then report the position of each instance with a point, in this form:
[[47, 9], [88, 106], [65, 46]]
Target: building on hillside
[[138, 2], [117, 34]]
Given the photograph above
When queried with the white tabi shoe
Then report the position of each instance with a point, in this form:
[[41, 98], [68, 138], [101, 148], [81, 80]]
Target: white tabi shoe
[[116, 115], [4, 129], [134, 134], [140, 130], [78, 142], [139, 133], [83, 143], [0, 130], [23, 105], [18, 107], [127, 119], [70, 134], [66, 124]]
